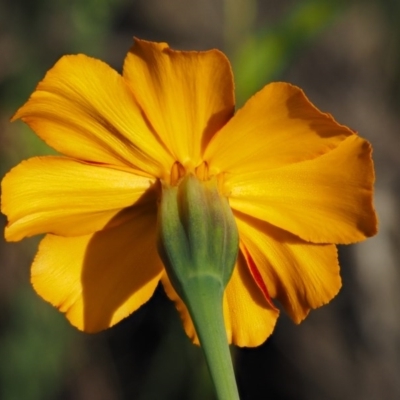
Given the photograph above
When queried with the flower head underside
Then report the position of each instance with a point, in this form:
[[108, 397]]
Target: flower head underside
[[298, 183]]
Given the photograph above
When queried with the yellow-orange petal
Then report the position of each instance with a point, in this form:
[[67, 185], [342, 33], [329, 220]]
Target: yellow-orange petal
[[67, 197], [187, 96], [301, 275], [277, 126], [249, 315], [324, 200], [99, 279], [84, 109]]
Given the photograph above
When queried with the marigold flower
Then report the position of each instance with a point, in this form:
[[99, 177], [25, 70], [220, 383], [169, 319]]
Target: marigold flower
[[298, 183]]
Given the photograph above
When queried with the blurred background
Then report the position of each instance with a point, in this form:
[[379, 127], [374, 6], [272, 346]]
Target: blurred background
[[346, 56]]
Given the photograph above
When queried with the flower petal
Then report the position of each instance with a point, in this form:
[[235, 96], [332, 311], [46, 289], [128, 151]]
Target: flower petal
[[187, 96], [301, 275], [85, 110], [99, 279], [250, 317], [324, 200], [277, 126], [66, 197]]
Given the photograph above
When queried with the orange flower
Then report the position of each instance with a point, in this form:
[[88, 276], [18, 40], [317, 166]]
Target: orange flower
[[298, 183]]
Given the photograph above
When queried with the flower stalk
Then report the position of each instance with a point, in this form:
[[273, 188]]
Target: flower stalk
[[198, 243], [204, 302]]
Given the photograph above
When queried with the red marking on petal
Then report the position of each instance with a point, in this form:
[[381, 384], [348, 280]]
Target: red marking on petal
[[255, 273]]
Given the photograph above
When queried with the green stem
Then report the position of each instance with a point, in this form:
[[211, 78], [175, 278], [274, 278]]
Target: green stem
[[204, 299]]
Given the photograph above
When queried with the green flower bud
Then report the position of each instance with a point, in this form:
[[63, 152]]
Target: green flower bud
[[197, 233]]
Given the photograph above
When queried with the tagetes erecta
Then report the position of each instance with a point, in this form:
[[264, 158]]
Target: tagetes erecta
[[298, 183]]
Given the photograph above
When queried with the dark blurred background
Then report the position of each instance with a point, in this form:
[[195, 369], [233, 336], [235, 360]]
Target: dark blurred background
[[346, 56]]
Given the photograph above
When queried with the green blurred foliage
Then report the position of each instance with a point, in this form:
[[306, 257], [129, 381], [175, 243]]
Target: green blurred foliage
[[33, 350], [264, 55]]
